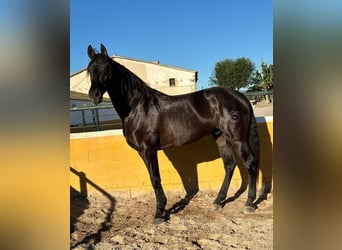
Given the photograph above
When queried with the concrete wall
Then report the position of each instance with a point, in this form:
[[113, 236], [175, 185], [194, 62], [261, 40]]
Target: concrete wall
[[105, 160], [157, 76]]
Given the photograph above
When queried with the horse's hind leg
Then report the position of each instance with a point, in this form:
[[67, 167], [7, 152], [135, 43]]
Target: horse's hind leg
[[247, 157], [229, 162]]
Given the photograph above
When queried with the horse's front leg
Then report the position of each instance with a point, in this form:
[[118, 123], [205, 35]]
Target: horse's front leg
[[151, 161]]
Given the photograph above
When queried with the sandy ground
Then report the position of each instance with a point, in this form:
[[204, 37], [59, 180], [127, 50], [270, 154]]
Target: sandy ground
[[120, 223], [263, 110]]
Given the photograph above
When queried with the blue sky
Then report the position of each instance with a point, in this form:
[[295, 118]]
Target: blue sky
[[191, 34]]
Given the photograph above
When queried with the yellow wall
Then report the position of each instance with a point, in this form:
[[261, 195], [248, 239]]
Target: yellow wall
[[103, 160]]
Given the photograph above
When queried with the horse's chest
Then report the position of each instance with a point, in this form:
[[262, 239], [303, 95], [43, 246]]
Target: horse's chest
[[139, 133]]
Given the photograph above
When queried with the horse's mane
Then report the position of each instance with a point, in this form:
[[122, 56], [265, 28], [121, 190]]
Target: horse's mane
[[134, 87]]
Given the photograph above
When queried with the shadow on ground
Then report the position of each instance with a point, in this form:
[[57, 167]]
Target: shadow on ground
[[79, 203]]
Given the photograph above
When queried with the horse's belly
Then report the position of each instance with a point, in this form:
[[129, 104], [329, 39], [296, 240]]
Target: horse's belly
[[181, 137]]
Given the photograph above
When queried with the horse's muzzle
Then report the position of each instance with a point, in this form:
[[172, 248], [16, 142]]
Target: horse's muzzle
[[96, 96], [97, 100]]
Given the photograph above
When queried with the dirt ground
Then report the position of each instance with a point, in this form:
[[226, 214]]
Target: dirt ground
[[104, 222]]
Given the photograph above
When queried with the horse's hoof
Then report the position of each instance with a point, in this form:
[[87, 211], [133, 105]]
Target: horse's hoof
[[217, 206], [157, 221], [249, 210]]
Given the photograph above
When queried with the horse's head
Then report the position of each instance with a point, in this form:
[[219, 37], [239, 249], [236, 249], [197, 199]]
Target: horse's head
[[100, 72]]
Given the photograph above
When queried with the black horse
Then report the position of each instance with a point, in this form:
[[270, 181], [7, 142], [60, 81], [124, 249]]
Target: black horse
[[153, 121]]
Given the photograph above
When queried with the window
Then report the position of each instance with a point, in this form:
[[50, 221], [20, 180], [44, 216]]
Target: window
[[172, 82]]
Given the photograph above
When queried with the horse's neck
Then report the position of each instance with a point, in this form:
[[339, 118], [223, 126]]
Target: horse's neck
[[122, 99], [120, 104], [128, 90]]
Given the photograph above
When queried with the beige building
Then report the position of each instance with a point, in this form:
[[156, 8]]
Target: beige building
[[167, 79]]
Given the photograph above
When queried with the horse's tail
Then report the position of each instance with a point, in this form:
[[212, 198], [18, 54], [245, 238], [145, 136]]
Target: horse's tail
[[253, 138]]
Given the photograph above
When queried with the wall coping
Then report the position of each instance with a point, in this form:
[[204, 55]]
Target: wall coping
[[261, 119]]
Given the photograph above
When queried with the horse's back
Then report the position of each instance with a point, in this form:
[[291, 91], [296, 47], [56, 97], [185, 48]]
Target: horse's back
[[228, 94]]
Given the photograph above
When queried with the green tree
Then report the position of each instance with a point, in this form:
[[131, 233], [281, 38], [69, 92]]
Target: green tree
[[262, 81], [234, 74]]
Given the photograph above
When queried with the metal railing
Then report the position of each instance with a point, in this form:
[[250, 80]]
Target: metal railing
[[93, 118], [259, 96]]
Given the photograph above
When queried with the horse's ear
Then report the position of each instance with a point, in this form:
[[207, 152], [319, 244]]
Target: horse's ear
[[103, 50], [91, 52]]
